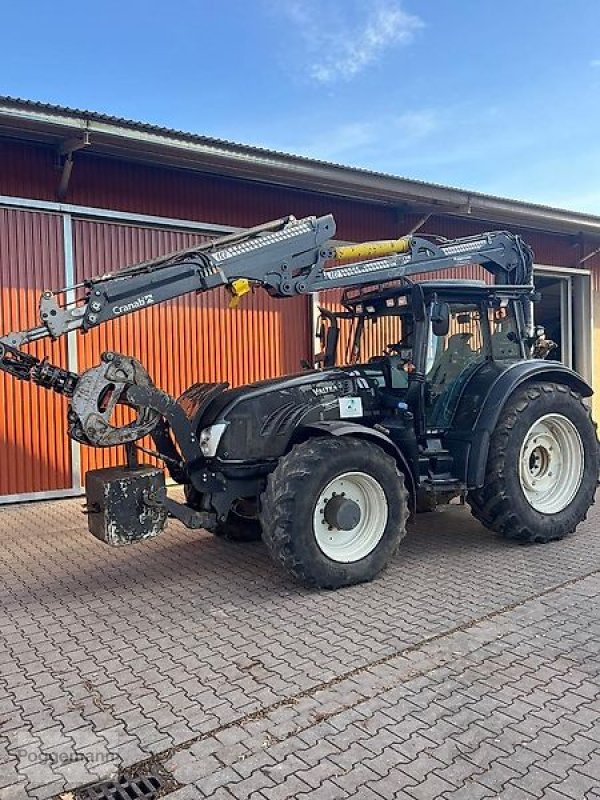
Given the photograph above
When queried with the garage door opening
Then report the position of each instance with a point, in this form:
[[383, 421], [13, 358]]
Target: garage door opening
[[565, 312]]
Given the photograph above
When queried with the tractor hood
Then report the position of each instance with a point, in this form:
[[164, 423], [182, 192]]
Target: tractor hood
[[257, 421]]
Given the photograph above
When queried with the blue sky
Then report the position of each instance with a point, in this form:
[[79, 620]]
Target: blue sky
[[496, 96]]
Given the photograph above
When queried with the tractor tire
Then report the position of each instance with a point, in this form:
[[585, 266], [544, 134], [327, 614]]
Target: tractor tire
[[238, 527], [334, 511], [542, 467]]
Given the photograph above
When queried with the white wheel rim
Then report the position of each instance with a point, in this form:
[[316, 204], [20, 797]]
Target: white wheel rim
[[551, 463], [346, 546]]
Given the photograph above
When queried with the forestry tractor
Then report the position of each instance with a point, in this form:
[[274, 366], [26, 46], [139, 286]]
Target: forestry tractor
[[328, 465]]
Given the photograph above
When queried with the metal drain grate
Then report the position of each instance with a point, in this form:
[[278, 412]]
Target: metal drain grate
[[145, 787]]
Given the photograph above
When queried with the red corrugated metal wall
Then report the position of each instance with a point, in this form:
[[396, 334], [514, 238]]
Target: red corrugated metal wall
[[194, 338], [34, 450], [30, 171]]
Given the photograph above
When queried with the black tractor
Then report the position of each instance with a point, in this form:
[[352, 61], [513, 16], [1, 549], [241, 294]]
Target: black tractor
[[425, 391], [451, 407]]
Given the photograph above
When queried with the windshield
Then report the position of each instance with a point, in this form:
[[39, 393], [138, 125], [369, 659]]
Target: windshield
[[382, 335]]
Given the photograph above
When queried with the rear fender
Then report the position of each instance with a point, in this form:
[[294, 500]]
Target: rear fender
[[474, 446], [342, 428]]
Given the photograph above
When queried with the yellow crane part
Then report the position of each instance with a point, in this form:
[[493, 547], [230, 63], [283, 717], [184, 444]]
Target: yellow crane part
[[346, 252], [387, 247], [237, 289]]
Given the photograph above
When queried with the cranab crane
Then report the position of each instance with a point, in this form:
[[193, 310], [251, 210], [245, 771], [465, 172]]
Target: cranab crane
[[326, 466]]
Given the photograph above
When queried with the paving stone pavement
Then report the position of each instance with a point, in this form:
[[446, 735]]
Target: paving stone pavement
[[469, 669]]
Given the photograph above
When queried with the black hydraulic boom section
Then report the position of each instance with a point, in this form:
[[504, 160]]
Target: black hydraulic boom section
[[286, 257], [26, 367]]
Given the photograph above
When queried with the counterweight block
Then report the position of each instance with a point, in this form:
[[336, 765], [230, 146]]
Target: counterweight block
[[123, 504]]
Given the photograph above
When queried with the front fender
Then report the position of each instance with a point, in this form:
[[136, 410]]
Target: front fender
[[474, 423], [343, 428]]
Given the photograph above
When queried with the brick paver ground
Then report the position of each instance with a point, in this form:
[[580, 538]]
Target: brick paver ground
[[470, 669]]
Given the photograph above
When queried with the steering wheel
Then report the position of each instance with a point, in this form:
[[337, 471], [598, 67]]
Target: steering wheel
[[394, 348]]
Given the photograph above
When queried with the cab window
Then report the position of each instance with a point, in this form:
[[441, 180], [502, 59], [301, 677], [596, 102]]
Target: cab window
[[505, 337], [450, 360]]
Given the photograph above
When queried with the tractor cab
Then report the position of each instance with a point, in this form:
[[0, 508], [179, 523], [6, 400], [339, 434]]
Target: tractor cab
[[428, 340]]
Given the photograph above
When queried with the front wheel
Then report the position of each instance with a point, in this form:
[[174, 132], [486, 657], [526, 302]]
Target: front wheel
[[542, 468], [334, 511]]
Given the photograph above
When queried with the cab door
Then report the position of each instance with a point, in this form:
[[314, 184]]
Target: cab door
[[451, 359]]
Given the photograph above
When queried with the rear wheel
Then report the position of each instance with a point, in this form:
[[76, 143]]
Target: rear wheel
[[334, 511], [542, 468], [242, 523]]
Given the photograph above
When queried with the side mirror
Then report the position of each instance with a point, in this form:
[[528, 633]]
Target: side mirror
[[328, 333], [322, 332], [440, 318]]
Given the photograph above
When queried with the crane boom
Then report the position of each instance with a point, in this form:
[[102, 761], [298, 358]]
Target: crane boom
[[286, 257]]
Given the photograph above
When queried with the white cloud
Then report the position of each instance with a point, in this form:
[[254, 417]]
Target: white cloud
[[341, 48], [362, 141], [414, 125], [595, 62]]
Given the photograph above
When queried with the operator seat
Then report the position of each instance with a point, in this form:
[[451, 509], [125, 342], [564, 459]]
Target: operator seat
[[452, 360]]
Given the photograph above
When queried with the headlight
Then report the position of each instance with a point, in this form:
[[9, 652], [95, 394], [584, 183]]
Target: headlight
[[210, 437]]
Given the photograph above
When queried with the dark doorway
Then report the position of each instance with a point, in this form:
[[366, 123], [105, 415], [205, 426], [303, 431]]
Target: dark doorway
[[551, 312]]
